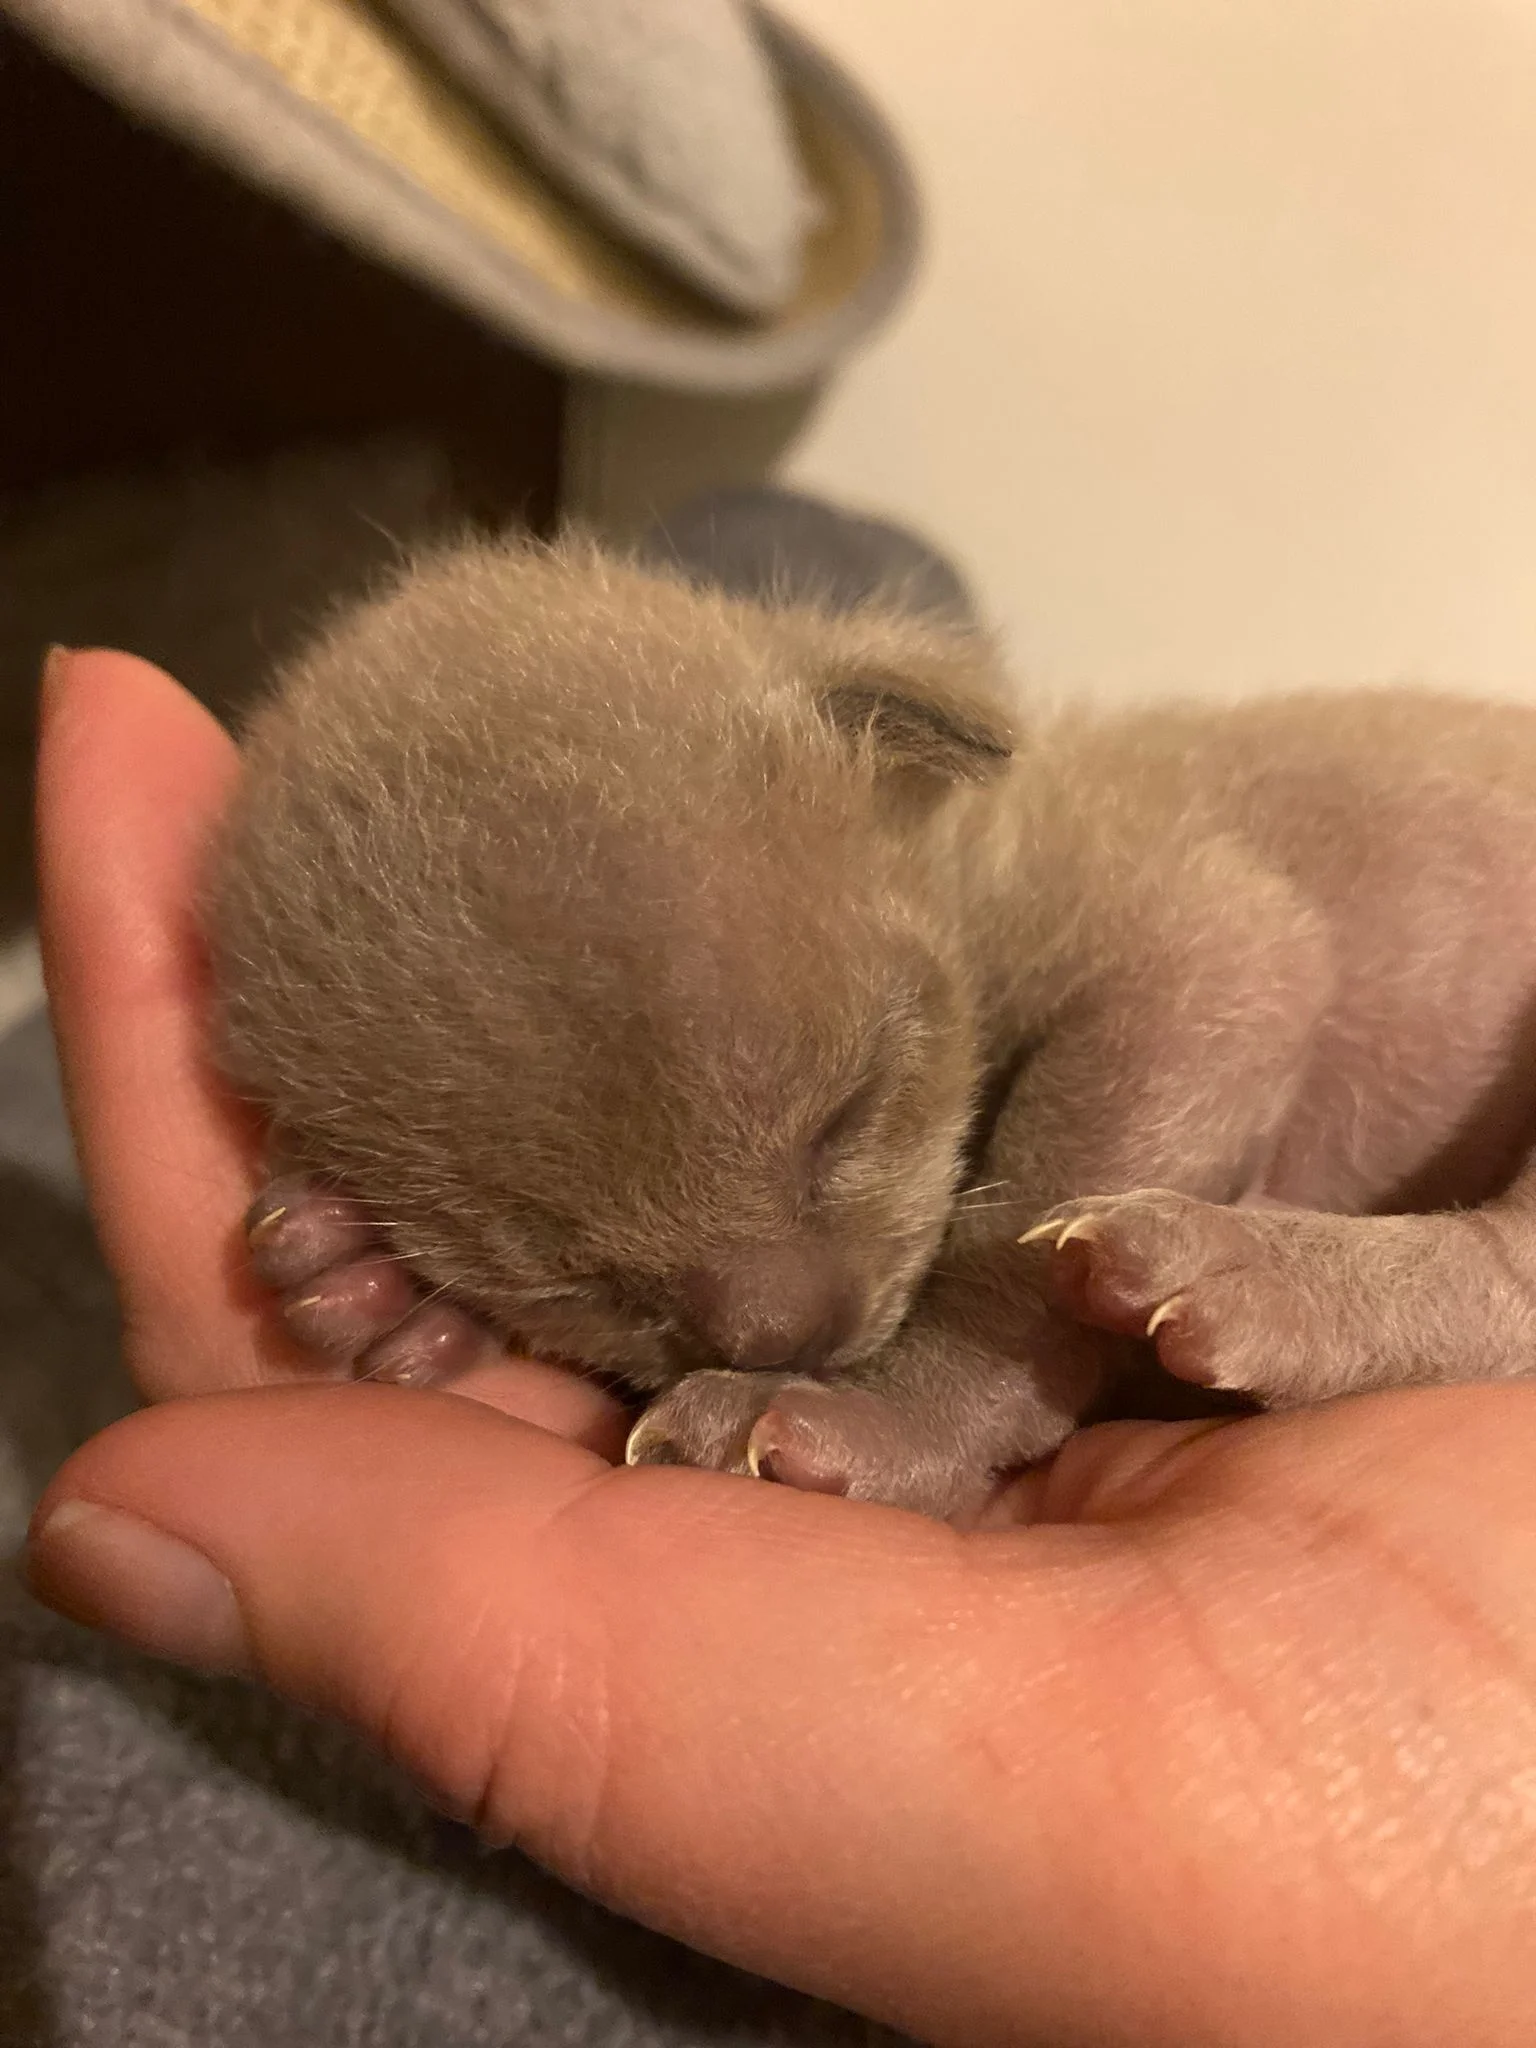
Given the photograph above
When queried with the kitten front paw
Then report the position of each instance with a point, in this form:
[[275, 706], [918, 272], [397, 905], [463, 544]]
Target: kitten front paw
[[343, 1294], [706, 1421], [816, 1436], [853, 1441], [1214, 1288]]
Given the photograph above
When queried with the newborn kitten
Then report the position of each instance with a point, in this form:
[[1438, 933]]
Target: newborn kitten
[[717, 995]]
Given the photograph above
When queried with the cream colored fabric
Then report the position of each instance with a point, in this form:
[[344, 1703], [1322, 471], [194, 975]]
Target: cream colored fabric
[[664, 115], [344, 60], [329, 105]]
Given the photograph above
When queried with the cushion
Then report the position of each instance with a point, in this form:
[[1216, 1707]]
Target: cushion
[[663, 115]]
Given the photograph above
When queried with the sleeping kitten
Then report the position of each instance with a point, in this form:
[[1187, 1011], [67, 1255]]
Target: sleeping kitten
[[748, 1003]]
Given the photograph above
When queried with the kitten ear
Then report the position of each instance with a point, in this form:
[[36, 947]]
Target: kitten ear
[[924, 702]]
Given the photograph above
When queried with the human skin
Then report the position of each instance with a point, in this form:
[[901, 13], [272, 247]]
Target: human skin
[[1214, 1734]]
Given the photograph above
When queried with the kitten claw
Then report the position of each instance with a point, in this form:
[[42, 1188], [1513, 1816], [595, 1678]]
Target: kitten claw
[[651, 1447], [761, 1461], [1040, 1231], [1057, 1231], [1161, 1315], [295, 1231], [792, 1447]]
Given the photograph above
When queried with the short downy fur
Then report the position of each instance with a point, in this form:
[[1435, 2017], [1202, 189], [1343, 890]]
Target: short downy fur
[[714, 994]]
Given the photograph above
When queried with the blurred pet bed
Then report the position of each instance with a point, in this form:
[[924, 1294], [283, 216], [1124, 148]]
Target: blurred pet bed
[[678, 192]]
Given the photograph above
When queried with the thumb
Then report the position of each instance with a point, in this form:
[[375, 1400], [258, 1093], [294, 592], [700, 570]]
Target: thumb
[[775, 1725], [132, 778], [1223, 1732]]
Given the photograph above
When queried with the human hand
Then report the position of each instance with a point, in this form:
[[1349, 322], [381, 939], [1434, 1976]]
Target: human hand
[[1217, 1735], [132, 778]]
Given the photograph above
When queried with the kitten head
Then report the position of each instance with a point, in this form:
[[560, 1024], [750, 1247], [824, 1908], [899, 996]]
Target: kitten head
[[593, 930]]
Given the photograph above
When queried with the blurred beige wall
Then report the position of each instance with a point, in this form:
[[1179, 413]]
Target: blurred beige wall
[[1223, 368]]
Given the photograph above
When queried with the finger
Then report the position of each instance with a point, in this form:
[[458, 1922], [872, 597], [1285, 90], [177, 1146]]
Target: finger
[[675, 1688], [552, 1399], [937, 1778], [1113, 1472], [132, 778]]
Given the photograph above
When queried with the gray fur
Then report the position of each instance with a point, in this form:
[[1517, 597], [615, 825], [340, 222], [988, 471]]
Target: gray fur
[[625, 946]]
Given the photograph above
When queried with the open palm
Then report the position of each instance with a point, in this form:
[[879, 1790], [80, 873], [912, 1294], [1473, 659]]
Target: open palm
[[1215, 1735]]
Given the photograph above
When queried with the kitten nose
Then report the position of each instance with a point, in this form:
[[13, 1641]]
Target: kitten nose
[[772, 1307]]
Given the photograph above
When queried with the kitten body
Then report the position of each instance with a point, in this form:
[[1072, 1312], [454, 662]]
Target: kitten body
[[713, 993]]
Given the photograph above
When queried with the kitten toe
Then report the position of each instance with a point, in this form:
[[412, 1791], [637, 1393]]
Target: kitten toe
[[790, 1446], [295, 1230], [348, 1308], [435, 1343], [705, 1421], [851, 1441]]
